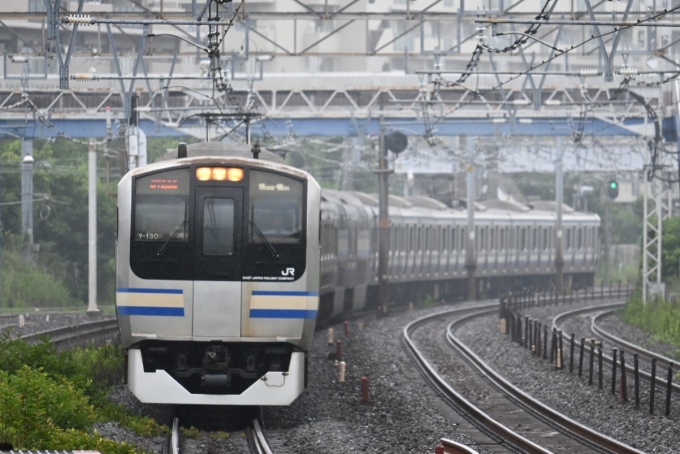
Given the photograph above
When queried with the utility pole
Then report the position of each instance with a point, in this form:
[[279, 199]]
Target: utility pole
[[383, 226], [92, 228], [559, 193], [470, 253], [27, 198]]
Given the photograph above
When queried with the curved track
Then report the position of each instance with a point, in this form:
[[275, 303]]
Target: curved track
[[511, 407], [645, 356]]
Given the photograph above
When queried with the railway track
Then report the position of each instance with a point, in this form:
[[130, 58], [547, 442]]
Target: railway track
[[512, 421], [251, 440], [78, 335], [645, 356]]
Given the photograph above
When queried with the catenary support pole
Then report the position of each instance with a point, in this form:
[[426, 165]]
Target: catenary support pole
[[92, 228], [384, 225], [559, 191], [470, 252]]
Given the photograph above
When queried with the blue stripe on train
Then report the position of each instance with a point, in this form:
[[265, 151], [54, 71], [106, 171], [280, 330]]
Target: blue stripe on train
[[278, 293], [282, 313], [151, 290], [149, 310]]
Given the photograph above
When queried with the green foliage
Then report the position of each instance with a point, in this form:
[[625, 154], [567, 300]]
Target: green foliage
[[219, 435], [659, 318], [50, 400], [670, 254], [191, 432], [28, 285]]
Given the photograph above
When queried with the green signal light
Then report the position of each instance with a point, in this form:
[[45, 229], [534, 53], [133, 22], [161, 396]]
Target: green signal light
[[613, 184]]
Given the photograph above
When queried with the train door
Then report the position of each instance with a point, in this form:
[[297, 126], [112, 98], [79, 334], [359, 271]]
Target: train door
[[217, 286]]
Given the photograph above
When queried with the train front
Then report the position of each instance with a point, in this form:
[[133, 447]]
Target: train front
[[217, 280]]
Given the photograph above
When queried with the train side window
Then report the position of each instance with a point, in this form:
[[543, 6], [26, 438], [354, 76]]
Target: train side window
[[534, 240], [427, 239], [579, 239], [453, 238], [523, 243], [276, 208], [218, 226], [492, 237], [463, 238], [501, 246]]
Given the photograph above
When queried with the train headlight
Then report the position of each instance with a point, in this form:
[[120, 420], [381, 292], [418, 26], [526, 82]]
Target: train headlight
[[203, 173], [219, 173], [234, 174]]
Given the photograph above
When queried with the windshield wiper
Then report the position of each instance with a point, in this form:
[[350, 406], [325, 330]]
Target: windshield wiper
[[163, 248], [266, 241]]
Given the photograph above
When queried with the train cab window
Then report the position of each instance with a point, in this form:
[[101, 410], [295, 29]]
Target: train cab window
[[276, 208], [161, 207], [218, 226]]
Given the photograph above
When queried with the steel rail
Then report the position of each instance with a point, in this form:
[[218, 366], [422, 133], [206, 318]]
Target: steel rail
[[174, 436], [478, 417], [576, 428], [260, 439], [629, 346], [73, 332], [452, 447], [606, 359]]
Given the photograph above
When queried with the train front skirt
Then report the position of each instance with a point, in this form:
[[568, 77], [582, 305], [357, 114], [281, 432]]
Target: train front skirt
[[274, 388]]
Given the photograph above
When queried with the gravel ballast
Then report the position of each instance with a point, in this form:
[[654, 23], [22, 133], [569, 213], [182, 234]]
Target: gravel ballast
[[404, 414]]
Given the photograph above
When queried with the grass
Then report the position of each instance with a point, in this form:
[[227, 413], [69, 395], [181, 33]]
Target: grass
[[659, 318]]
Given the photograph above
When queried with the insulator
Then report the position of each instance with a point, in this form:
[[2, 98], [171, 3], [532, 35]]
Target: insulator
[[627, 71], [83, 19], [521, 102], [590, 72], [143, 109], [82, 76]]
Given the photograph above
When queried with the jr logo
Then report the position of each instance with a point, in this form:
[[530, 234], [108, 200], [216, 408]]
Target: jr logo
[[288, 272]]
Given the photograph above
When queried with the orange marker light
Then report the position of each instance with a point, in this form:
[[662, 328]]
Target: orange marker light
[[203, 173], [234, 174]]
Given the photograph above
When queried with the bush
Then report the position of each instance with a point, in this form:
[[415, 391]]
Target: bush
[[50, 400], [26, 285]]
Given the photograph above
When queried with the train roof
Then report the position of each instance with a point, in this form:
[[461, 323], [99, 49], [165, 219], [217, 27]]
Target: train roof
[[493, 210], [222, 149]]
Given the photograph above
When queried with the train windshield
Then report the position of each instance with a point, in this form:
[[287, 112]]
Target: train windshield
[[276, 208], [161, 207]]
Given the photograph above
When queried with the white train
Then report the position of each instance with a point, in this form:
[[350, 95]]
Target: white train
[[225, 262]]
